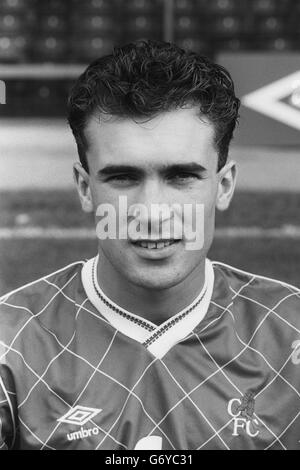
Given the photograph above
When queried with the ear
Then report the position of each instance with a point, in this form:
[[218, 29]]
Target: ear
[[82, 181], [226, 185]]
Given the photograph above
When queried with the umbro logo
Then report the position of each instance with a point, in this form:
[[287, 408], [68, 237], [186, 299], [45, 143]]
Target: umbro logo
[[269, 100], [80, 415]]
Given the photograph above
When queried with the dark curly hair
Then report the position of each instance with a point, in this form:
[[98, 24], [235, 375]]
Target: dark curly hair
[[145, 78]]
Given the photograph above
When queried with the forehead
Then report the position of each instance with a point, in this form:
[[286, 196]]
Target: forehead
[[176, 136]]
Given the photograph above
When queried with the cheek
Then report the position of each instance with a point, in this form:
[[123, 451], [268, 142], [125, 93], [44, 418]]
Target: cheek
[[95, 193], [102, 195], [113, 249], [207, 195], [210, 209]]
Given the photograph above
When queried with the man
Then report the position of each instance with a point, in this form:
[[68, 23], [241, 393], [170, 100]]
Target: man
[[150, 345]]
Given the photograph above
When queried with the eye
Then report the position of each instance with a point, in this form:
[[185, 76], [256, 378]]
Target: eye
[[122, 179], [183, 177]]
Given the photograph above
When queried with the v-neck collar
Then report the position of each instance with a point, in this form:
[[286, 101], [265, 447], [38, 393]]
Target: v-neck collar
[[157, 339]]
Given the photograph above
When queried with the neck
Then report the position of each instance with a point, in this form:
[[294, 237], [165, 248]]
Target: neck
[[154, 305]]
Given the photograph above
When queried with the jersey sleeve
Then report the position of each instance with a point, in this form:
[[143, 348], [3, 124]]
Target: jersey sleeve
[[8, 409]]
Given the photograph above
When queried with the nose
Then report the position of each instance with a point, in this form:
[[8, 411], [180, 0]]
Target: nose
[[151, 192], [152, 207]]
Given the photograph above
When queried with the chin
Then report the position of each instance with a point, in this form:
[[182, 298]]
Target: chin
[[156, 282]]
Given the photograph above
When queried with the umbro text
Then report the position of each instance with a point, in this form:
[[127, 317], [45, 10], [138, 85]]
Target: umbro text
[[82, 433]]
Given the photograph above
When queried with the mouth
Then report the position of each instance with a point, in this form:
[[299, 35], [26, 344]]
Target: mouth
[[155, 245]]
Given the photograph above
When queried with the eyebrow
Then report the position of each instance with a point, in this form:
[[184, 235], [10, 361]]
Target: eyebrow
[[163, 169]]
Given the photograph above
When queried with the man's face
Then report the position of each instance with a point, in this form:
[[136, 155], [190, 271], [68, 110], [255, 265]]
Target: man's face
[[171, 159]]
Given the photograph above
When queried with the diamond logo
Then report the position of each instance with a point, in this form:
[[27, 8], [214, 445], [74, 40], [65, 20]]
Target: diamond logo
[[79, 415], [268, 100]]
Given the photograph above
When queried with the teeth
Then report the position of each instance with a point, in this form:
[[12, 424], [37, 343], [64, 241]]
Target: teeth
[[155, 245], [160, 245], [151, 245]]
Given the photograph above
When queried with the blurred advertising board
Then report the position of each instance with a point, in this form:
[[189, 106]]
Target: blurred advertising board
[[268, 84]]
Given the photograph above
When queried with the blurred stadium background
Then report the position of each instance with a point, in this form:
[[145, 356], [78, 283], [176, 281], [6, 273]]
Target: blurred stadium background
[[46, 44]]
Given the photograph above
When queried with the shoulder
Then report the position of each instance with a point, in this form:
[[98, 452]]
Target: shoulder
[[32, 299], [263, 294], [242, 279], [263, 314]]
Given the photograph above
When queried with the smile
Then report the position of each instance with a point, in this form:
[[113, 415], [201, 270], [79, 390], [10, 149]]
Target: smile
[[155, 245]]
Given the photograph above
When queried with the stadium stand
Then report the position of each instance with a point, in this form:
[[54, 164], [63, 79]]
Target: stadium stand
[[70, 32], [190, 26], [141, 19], [17, 19]]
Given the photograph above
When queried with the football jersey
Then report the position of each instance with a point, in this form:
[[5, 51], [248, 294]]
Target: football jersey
[[77, 371]]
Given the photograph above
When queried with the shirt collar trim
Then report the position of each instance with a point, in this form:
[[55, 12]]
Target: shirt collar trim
[[157, 339]]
